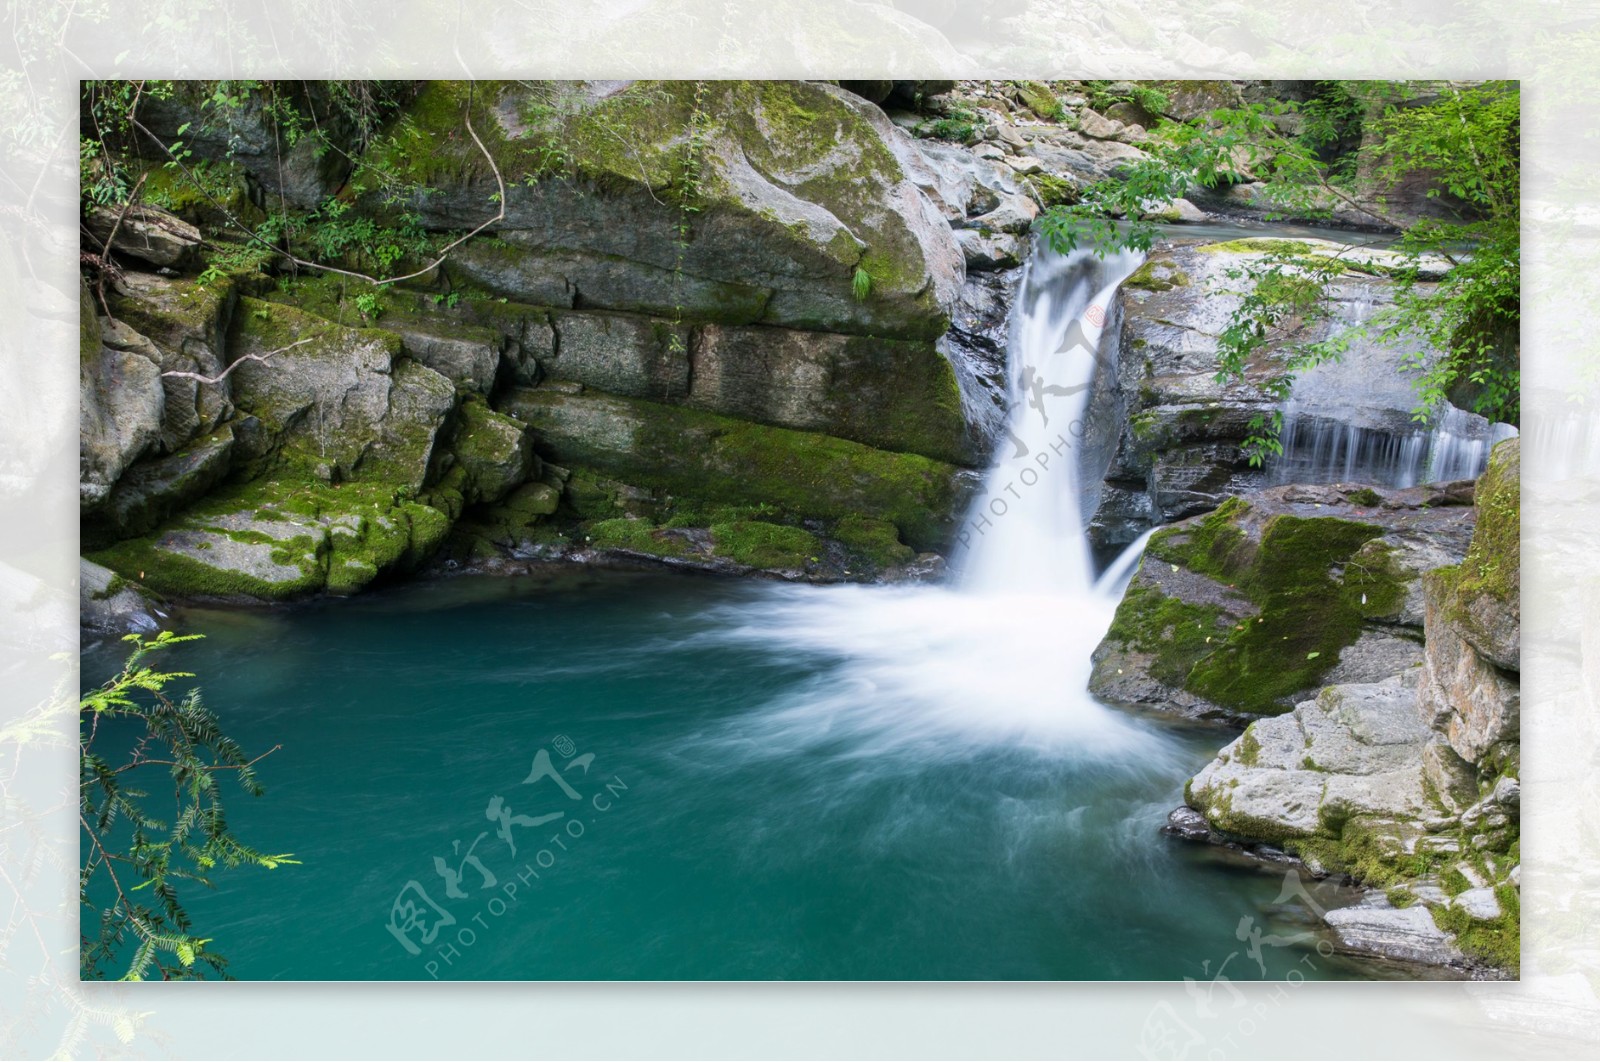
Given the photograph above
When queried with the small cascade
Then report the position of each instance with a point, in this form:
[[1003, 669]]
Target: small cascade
[[1331, 446], [1350, 421]]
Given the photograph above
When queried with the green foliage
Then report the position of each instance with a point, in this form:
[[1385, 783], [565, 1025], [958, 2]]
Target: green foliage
[[1103, 94], [861, 284], [127, 850], [1464, 144], [958, 124]]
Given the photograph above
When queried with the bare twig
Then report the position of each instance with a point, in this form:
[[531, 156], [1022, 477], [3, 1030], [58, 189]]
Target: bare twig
[[235, 364]]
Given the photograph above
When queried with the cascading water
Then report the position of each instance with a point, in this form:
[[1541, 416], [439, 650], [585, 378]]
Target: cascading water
[[1025, 531], [1002, 656], [1350, 421]]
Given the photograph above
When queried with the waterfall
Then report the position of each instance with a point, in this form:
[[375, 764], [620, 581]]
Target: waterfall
[[1025, 530], [1001, 655]]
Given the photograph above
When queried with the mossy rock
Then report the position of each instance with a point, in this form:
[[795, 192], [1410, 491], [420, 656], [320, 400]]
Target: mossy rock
[[873, 542], [687, 454], [792, 183], [760, 544], [280, 538], [1157, 275], [1243, 611]]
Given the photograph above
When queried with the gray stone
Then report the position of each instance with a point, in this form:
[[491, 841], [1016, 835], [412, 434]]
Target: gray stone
[[342, 397], [986, 251], [1014, 214], [621, 354], [1376, 927], [1480, 904], [110, 605], [1478, 705], [1179, 210], [120, 409], [1092, 123], [495, 450], [1508, 794], [147, 233], [1374, 656], [467, 357], [154, 489], [1354, 750], [182, 327]]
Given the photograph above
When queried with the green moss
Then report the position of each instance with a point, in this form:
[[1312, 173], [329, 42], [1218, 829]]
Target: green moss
[[765, 545], [1496, 942], [1249, 751], [1492, 565], [873, 542], [1215, 547], [1259, 245], [1037, 97], [1354, 848], [355, 532], [1305, 619], [1375, 582], [1157, 275], [1053, 190], [639, 536], [1177, 633], [716, 460], [1364, 496], [1219, 811]]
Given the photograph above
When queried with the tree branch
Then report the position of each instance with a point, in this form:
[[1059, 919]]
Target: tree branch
[[235, 364]]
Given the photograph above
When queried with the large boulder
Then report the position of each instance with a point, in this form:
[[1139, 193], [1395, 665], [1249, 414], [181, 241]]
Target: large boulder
[[1353, 752], [147, 233], [281, 538], [788, 191], [184, 326], [1251, 608], [338, 401], [121, 406]]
